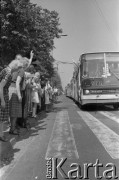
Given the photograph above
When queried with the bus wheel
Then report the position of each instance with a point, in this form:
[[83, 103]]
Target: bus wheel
[[116, 106], [83, 107]]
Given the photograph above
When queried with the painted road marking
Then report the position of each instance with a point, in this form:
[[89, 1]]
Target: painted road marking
[[110, 116], [62, 143], [108, 138]]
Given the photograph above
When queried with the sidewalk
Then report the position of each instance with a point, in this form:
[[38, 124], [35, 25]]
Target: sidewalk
[[6, 148]]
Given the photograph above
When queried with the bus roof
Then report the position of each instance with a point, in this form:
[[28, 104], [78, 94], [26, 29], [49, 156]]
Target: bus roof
[[98, 53]]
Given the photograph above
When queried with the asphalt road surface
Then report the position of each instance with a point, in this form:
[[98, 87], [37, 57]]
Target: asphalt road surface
[[81, 143]]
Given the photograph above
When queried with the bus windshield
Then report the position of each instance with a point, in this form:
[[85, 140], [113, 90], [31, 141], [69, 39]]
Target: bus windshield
[[101, 65]]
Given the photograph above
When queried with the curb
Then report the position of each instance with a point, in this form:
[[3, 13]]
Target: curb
[[13, 141]]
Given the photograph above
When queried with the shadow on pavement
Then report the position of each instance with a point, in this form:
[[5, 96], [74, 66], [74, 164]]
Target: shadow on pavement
[[6, 153], [36, 124], [57, 109], [97, 107], [7, 150], [57, 102]]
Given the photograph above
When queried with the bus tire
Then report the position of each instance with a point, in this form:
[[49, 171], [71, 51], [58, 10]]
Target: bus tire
[[115, 106], [82, 107]]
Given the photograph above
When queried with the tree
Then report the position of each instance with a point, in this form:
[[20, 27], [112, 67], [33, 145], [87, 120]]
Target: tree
[[26, 26], [56, 81]]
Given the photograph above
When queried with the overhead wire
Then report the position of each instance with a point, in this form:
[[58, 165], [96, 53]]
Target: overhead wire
[[63, 62], [106, 24], [105, 21]]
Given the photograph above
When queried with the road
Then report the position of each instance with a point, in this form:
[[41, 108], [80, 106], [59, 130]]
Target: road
[[86, 138]]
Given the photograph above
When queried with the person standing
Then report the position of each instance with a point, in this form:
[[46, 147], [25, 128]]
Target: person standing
[[47, 96], [22, 105], [17, 97], [55, 94], [29, 76], [35, 93], [5, 81], [43, 97], [19, 57]]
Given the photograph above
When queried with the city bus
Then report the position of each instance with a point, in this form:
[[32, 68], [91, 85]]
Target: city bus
[[71, 90], [99, 79], [68, 90], [96, 79]]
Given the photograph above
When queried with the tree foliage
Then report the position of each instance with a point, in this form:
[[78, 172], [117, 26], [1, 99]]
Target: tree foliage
[[26, 26], [56, 81]]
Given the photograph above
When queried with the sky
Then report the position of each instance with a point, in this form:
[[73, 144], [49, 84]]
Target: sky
[[90, 25]]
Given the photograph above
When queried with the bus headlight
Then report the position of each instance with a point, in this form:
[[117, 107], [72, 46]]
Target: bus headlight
[[87, 92]]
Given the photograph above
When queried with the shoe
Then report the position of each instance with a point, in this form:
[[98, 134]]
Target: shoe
[[17, 128], [13, 132], [34, 116], [47, 111], [3, 138]]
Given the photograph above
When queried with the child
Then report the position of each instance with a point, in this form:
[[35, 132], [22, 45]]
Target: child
[[47, 96], [35, 89]]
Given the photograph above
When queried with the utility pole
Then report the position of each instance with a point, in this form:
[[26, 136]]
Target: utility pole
[[64, 35]]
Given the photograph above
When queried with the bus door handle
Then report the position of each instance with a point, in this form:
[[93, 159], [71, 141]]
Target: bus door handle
[[98, 96]]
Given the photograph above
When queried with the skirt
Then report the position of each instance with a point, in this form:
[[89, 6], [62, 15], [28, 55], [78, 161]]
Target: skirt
[[4, 113], [47, 98], [35, 97], [15, 107]]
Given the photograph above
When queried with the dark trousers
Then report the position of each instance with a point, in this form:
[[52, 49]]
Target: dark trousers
[[22, 121]]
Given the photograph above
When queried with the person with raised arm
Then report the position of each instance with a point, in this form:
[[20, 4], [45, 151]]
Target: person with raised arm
[[5, 81]]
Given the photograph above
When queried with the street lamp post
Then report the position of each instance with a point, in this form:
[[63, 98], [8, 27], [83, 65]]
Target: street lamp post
[[64, 35]]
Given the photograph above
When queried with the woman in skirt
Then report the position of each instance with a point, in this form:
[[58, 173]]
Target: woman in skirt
[[17, 90], [35, 96], [5, 81], [16, 99]]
